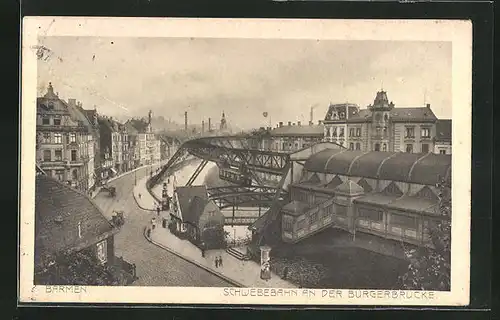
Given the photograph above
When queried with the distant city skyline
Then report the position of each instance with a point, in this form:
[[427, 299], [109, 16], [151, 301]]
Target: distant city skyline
[[127, 77]]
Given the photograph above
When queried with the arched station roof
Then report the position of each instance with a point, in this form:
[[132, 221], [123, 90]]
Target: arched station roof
[[420, 168]]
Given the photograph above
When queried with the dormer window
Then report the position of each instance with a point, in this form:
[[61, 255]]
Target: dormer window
[[57, 122]]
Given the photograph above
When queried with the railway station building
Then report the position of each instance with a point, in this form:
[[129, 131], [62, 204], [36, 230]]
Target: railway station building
[[391, 195]]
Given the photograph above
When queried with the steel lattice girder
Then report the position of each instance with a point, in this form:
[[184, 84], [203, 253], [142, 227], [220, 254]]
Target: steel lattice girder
[[236, 195], [259, 160]]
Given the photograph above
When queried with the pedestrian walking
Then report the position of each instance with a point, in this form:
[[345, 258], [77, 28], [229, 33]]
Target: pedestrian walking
[[139, 195], [285, 273], [153, 223], [216, 262], [158, 210], [220, 262]]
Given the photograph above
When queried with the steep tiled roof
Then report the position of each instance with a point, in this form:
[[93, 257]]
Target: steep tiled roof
[[58, 210], [302, 130], [395, 166], [443, 130], [193, 195]]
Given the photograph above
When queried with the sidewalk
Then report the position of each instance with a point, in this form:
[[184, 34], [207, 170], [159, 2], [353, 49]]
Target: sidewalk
[[145, 201], [240, 273]]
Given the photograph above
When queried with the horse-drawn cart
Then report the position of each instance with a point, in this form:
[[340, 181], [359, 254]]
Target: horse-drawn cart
[[118, 219], [110, 190]]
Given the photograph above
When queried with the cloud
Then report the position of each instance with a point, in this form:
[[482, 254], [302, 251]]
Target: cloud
[[243, 77]]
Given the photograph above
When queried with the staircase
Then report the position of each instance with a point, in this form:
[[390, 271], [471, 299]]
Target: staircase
[[237, 254]]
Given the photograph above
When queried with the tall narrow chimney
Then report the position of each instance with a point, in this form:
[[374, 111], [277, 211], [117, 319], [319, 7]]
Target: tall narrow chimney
[[289, 123], [209, 125], [202, 126], [185, 120], [281, 124]]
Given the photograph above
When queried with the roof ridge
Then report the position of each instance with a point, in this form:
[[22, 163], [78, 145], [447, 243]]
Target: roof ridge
[[331, 157]]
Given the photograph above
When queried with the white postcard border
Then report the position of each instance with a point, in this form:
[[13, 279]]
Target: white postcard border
[[458, 32]]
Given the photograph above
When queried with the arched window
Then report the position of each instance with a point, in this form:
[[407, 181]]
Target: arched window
[[384, 147], [358, 146]]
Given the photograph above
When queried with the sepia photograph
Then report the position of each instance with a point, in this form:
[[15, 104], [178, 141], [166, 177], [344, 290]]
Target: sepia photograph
[[245, 161]]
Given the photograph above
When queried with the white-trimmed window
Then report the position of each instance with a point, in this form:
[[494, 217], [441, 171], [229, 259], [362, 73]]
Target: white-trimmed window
[[102, 251], [57, 138]]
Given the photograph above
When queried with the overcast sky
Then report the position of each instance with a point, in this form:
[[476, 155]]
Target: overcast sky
[[126, 77]]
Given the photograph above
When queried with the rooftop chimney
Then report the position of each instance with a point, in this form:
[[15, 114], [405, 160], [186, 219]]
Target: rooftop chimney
[[202, 126], [289, 123], [428, 105], [209, 125], [310, 123], [298, 123], [319, 122], [281, 124], [185, 120]]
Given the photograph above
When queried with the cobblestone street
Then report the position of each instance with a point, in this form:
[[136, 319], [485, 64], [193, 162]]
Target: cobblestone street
[[155, 266]]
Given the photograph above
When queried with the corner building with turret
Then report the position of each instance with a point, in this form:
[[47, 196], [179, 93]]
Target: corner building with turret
[[381, 126]]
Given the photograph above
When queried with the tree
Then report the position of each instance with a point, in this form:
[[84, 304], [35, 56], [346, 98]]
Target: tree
[[429, 268], [77, 268]]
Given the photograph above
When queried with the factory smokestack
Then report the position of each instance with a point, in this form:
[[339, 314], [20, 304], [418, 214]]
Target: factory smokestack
[[209, 125], [185, 120], [202, 126]]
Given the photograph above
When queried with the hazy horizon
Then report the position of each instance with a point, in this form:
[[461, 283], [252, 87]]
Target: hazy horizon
[[126, 77]]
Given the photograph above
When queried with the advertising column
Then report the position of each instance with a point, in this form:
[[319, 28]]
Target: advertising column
[[265, 264]]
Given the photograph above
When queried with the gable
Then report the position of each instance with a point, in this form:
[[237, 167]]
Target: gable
[[365, 185], [427, 193], [393, 189]]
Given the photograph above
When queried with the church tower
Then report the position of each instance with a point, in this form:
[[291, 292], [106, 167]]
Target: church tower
[[223, 123], [381, 120]]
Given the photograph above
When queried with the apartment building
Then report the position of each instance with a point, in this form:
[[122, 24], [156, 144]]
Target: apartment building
[[381, 127], [65, 144]]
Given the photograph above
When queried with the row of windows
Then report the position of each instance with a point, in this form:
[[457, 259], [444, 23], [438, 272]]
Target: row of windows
[[57, 137], [424, 148], [424, 133], [58, 155], [374, 215], [55, 121]]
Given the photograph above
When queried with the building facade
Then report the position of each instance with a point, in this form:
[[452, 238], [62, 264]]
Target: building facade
[[197, 218], [65, 148], [146, 145], [381, 127]]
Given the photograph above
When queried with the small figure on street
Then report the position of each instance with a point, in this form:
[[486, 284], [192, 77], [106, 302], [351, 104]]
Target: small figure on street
[[285, 273], [158, 210], [139, 195], [220, 262], [153, 223], [216, 262]]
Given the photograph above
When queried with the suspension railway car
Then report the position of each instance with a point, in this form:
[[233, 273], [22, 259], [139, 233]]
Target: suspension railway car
[[240, 176]]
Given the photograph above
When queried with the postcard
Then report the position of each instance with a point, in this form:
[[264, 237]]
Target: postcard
[[245, 161]]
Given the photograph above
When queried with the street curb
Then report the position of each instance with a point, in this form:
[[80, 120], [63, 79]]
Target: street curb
[[217, 274]]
